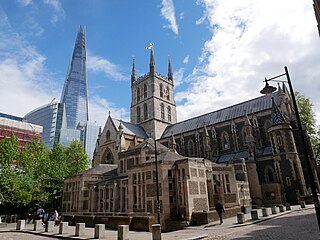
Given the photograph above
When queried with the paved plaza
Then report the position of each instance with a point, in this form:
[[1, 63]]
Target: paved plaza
[[293, 224]]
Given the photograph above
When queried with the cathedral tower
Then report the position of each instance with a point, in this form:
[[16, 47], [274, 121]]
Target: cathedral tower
[[152, 99]]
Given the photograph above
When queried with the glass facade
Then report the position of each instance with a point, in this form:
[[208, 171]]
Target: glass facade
[[75, 91], [50, 118], [68, 120]]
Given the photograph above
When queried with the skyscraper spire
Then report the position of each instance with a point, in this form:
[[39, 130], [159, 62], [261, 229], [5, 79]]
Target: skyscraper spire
[[170, 75], [75, 90], [133, 73]]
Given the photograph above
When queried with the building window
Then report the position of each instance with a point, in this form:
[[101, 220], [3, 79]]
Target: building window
[[269, 174], [162, 110], [145, 91], [190, 146], [161, 90], [108, 135], [138, 94], [138, 114], [169, 113], [168, 93], [108, 156], [145, 111], [225, 140]]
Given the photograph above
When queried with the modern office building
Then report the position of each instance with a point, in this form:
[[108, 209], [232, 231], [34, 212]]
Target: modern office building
[[316, 7], [50, 116], [25, 132], [68, 120]]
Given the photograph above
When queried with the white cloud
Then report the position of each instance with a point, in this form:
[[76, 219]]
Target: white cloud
[[186, 59], [100, 108], [58, 10], [25, 3], [100, 64], [181, 16], [167, 11], [252, 40], [178, 77]]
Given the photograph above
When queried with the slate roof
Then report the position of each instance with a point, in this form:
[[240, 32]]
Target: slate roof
[[249, 107], [130, 128]]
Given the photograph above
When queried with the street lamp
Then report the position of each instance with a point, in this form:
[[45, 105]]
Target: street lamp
[[269, 89], [157, 180]]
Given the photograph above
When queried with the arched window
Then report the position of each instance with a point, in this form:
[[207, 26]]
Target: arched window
[[162, 110], [108, 157], [169, 113], [138, 114], [225, 140], [138, 94], [269, 174], [145, 111], [161, 90], [190, 146], [145, 91], [168, 93], [108, 135]]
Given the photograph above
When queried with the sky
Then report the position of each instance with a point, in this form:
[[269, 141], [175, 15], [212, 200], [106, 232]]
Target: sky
[[220, 51]]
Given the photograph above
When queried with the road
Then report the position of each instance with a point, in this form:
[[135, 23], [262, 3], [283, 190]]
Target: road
[[298, 225]]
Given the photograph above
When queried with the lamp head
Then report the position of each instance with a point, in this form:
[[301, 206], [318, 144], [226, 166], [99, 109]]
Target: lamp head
[[268, 89]]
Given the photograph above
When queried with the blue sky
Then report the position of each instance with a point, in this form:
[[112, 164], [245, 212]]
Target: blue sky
[[220, 50]]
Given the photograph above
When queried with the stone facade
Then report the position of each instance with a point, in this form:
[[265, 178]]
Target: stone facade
[[241, 155]]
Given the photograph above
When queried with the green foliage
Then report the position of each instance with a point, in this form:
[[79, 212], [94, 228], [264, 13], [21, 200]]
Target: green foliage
[[36, 175], [308, 118]]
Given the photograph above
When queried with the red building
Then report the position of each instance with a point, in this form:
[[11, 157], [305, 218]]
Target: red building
[[25, 132]]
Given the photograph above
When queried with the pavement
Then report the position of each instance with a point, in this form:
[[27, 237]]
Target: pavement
[[188, 233]]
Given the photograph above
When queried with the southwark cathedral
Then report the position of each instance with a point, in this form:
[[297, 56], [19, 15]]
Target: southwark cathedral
[[248, 154]]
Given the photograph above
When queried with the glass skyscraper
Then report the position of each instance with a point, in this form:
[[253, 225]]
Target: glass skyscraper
[[68, 120], [75, 90]]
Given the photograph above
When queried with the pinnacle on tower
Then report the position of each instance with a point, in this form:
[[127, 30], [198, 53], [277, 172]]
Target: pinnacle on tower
[[152, 64], [276, 115], [133, 74], [170, 75]]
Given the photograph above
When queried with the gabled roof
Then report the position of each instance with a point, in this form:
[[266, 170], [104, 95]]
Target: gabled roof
[[249, 107], [130, 128]]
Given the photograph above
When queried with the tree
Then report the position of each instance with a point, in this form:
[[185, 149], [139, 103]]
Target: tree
[[308, 118], [9, 151], [76, 158]]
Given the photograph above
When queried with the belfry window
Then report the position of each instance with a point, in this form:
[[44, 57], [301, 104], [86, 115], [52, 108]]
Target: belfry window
[[162, 110], [145, 111], [138, 114], [161, 90], [169, 113], [138, 94], [145, 91]]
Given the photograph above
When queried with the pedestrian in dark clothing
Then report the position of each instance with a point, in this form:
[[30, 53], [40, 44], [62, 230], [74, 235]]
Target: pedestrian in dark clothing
[[219, 209]]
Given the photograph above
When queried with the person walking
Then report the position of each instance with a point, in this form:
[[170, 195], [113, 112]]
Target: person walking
[[219, 208]]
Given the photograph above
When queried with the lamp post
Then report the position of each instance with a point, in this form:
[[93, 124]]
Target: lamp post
[[269, 89], [157, 180]]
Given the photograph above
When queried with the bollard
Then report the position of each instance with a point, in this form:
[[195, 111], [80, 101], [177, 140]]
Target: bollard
[[274, 210], [265, 212], [63, 227], [123, 232], [288, 207], [254, 214], [37, 225], [281, 208], [80, 229], [99, 231], [303, 204], [240, 217], [21, 224], [156, 232], [49, 226]]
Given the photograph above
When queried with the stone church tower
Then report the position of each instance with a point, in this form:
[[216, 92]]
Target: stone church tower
[[152, 100]]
